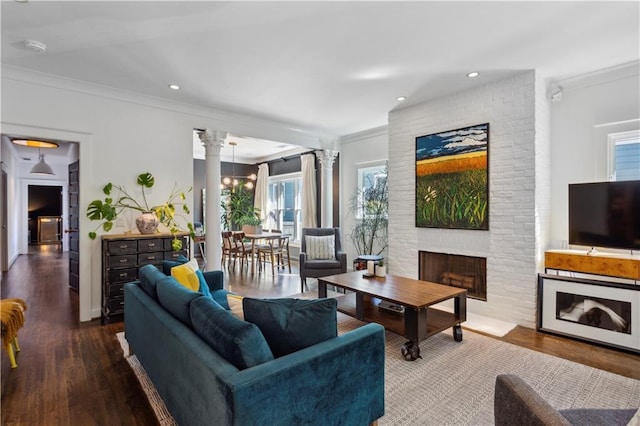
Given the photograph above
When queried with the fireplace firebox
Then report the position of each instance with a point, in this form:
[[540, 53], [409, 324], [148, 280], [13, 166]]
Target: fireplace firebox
[[468, 272]]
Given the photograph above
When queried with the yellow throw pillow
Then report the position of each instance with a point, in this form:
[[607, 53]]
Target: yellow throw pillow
[[235, 303], [186, 275]]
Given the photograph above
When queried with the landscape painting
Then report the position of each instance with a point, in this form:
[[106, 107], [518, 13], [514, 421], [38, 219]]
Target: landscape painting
[[452, 175]]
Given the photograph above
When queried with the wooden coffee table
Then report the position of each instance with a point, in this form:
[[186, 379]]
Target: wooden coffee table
[[418, 320]]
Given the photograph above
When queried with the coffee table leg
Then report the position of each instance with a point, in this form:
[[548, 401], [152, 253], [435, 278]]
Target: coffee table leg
[[411, 350], [322, 289], [457, 333]]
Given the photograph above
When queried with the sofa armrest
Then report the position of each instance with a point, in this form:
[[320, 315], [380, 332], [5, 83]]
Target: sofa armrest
[[516, 403], [338, 381], [215, 279]]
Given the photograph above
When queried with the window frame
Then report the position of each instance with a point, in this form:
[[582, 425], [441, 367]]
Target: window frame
[[613, 140]]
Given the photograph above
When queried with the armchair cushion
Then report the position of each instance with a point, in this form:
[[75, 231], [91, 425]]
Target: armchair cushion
[[289, 325], [517, 403], [321, 247]]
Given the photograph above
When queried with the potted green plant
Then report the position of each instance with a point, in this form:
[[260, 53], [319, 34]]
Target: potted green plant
[[238, 210], [107, 211]]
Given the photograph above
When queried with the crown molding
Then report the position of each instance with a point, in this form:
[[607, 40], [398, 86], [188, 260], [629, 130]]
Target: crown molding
[[601, 76], [238, 123], [365, 134]]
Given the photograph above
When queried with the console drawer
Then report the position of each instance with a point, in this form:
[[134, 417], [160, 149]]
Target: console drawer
[[125, 261], [153, 244]]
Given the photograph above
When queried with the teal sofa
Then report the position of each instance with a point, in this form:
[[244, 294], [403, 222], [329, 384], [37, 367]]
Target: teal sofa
[[339, 381]]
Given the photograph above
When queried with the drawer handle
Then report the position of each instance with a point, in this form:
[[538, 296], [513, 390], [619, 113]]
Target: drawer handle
[[124, 246], [151, 257], [152, 244], [124, 260], [121, 303], [121, 289], [124, 274]]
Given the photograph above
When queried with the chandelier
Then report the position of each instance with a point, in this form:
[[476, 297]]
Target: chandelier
[[233, 180]]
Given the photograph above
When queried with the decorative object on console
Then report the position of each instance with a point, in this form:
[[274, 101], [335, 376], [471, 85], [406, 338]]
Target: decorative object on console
[[452, 189], [106, 211], [381, 269]]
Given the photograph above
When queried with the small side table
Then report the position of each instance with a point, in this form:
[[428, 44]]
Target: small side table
[[360, 262]]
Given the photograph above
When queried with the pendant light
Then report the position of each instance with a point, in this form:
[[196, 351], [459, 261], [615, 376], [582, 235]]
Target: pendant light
[[41, 168], [233, 180]]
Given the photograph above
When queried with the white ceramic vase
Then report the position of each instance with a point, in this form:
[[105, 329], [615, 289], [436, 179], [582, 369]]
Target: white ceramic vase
[[147, 223], [381, 271]]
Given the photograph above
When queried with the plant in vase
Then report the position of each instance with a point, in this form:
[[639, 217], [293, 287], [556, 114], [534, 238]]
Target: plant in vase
[[381, 269], [238, 209], [107, 210]]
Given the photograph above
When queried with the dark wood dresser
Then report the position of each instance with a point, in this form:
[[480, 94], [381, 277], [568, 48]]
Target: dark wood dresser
[[122, 255]]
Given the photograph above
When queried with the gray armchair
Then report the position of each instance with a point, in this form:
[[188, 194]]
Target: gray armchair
[[315, 268], [516, 403]]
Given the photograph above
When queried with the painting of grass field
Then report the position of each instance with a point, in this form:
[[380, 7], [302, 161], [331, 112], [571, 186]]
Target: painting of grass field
[[452, 179]]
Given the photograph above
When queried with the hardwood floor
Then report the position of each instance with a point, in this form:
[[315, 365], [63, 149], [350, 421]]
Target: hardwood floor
[[72, 373]]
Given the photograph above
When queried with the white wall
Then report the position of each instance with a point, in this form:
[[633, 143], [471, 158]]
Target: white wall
[[363, 149], [511, 245], [120, 135], [591, 107]]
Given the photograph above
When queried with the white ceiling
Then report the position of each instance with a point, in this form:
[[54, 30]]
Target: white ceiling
[[334, 68]]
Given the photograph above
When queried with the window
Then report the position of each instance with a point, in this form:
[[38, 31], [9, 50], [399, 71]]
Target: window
[[369, 178], [624, 155], [285, 210]]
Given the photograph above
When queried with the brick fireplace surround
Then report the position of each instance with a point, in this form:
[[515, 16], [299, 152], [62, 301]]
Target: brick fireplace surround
[[517, 110]]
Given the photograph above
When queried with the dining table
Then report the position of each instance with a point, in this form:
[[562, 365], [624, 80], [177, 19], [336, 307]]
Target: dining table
[[255, 237]]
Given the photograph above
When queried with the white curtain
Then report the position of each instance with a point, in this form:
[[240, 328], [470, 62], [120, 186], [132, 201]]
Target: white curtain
[[308, 191], [261, 199]]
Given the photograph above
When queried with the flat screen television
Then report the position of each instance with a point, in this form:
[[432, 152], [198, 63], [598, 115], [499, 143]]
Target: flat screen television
[[605, 214]]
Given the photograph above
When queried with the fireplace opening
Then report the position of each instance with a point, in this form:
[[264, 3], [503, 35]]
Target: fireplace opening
[[468, 272]]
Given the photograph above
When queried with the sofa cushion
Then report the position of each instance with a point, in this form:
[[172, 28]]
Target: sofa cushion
[[176, 299], [220, 296], [292, 324], [168, 264], [189, 275], [149, 276], [239, 342], [321, 247]]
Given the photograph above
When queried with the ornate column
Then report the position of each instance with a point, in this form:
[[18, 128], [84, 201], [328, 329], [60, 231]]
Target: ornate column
[[213, 141], [327, 157]]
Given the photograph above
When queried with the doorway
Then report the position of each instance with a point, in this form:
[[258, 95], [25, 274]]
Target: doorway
[[44, 215]]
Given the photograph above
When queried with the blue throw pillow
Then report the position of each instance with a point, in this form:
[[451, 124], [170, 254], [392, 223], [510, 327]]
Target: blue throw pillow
[[239, 342], [176, 299], [292, 324], [149, 275], [168, 264]]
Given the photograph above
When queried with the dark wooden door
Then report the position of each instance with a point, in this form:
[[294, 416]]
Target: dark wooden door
[[74, 222]]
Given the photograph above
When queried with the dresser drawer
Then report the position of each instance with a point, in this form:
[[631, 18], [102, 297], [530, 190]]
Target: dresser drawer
[[154, 244], [124, 261], [116, 305], [115, 290], [122, 247], [122, 275], [173, 255], [168, 242], [155, 258]]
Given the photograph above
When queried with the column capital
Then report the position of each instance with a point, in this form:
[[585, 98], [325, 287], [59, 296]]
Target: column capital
[[327, 157], [212, 140]]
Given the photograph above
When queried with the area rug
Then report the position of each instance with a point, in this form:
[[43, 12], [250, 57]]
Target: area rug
[[453, 383]]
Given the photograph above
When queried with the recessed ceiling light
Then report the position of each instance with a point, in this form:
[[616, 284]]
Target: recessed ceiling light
[[174, 87], [35, 46], [473, 74], [401, 98], [34, 143]]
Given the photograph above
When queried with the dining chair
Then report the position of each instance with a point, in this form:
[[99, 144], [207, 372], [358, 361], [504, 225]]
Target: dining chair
[[242, 249], [228, 248]]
